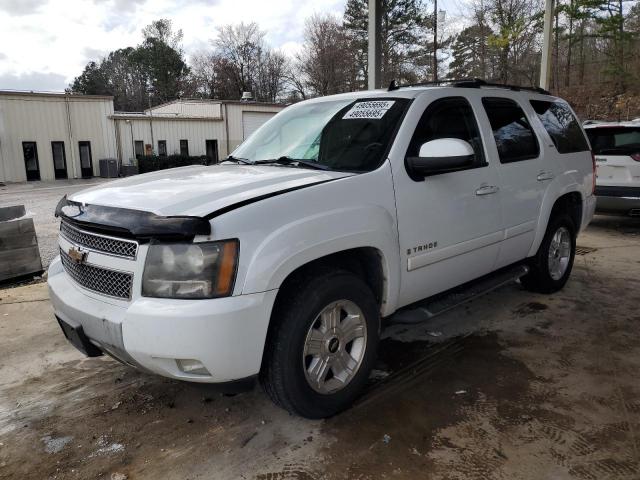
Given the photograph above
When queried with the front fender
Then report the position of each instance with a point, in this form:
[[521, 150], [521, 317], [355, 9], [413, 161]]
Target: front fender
[[315, 236]]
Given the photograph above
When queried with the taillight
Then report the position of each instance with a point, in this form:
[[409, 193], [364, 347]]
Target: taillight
[[593, 164], [636, 157]]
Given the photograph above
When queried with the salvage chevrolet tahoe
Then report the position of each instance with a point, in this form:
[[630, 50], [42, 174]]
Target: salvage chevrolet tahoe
[[282, 262]]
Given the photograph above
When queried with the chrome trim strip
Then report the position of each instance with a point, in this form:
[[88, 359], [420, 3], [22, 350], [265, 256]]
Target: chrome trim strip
[[102, 252]]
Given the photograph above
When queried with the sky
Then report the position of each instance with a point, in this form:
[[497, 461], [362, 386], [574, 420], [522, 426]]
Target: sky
[[46, 43]]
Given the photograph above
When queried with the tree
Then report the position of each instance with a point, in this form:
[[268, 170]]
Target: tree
[[517, 25], [242, 47], [325, 64], [404, 36], [472, 54], [149, 74], [249, 64]]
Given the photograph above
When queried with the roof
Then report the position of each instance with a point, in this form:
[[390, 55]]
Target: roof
[[213, 100], [412, 91], [60, 95]]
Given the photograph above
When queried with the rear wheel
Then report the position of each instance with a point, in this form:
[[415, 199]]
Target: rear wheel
[[551, 267], [323, 345]]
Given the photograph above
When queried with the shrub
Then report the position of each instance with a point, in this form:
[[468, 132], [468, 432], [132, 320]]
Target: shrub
[[152, 163]]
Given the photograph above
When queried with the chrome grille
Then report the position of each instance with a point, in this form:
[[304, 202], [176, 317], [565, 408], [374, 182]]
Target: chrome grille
[[101, 280], [100, 243]]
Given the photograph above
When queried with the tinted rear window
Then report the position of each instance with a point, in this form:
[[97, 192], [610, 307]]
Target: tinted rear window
[[615, 140], [562, 126], [511, 129]]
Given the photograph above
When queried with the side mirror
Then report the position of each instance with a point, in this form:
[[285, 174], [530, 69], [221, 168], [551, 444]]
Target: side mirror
[[442, 155]]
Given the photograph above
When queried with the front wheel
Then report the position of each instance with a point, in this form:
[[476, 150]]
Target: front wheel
[[551, 267], [323, 344]]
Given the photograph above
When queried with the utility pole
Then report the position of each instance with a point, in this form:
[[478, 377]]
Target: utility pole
[[547, 37], [435, 40], [374, 74]]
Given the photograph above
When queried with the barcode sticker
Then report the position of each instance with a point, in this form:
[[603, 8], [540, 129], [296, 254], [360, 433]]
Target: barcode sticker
[[373, 110]]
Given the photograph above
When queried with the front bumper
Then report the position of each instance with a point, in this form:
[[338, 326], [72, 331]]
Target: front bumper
[[618, 200], [226, 335]]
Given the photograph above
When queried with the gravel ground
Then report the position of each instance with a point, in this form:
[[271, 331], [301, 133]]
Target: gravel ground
[[40, 200], [511, 386]]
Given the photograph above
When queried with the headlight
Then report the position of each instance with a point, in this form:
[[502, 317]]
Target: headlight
[[190, 270]]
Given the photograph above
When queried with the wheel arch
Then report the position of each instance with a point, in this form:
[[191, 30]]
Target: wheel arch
[[570, 202], [365, 262]]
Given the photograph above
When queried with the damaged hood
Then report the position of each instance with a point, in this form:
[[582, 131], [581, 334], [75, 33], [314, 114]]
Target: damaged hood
[[200, 190]]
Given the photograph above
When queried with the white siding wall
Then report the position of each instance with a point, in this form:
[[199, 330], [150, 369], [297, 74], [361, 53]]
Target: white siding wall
[[43, 119], [190, 108], [171, 130]]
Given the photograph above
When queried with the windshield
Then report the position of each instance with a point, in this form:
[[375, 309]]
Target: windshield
[[338, 135], [615, 140]]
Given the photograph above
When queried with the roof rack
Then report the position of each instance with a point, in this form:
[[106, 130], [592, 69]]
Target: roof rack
[[469, 83]]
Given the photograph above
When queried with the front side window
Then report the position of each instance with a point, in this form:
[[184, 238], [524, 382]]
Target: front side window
[[561, 125], [448, 118], [332, 135], [615, 140], [511, 130]]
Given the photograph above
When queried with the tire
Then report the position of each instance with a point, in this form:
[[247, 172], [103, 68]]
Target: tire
[[551, 267], [302, 344]]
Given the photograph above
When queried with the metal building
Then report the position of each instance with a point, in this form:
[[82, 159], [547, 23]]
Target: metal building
[[47, 136], [190, 127], [44, 136]]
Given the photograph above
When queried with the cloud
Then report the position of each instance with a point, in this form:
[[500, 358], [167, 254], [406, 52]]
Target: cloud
[[33, 81], [21, 7], [48, 42], [93, 54]]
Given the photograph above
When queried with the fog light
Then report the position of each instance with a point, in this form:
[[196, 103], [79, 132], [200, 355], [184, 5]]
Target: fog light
[[192, 367]]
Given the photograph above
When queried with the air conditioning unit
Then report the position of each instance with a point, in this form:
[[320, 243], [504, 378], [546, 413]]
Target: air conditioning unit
[[109, 168]]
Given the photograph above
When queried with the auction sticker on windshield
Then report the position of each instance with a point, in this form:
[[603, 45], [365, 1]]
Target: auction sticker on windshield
[[374, 110]]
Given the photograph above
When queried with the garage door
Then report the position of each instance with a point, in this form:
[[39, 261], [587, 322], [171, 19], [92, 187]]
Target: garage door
[[251, 121]]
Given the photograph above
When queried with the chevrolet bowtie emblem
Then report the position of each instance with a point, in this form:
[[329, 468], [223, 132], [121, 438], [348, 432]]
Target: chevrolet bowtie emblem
[[77, 255]]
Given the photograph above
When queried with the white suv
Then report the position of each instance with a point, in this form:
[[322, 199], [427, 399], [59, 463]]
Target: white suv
[[616, 147], [282, 262]]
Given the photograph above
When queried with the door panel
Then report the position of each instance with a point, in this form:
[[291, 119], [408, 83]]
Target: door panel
[[86, 162], [31, 164], [211, 150], [515, 149], [59, 160], [450, 225]]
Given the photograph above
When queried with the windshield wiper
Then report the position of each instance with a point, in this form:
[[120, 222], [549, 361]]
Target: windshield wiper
[[285, 160], [231, 158]]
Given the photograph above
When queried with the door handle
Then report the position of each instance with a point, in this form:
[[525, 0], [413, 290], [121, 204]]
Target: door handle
[[542, 176], [487, 190]]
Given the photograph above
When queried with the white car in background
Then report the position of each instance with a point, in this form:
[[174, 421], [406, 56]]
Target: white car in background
[[616, 147]]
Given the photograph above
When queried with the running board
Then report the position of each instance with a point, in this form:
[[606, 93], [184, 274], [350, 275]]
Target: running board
[[429, 308]]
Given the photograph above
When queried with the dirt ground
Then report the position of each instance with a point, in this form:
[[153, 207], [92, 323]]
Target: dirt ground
[[510, 386], [40, 200]]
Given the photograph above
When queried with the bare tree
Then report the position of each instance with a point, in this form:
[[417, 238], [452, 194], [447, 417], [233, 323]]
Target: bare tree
[[242, 46], [326, 61]]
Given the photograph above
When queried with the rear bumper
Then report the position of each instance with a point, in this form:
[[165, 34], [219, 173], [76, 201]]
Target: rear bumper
[[618, 200], [226, 335]]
